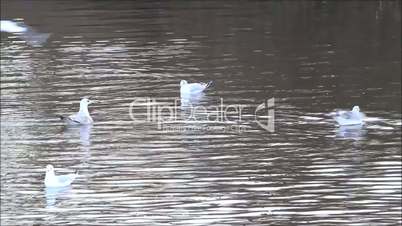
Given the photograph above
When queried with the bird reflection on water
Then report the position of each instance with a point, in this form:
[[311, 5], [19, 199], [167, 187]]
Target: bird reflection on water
[[355, 132]]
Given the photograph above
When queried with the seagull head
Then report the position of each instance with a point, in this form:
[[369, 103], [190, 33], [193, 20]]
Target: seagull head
[[49, 169], [85, 101], [183, 82], [356, 109]]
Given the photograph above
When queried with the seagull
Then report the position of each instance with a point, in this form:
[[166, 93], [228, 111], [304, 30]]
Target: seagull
[[354, 117], [24, 32], [11, 27], [82, 117], [51, 180], [188, 89]]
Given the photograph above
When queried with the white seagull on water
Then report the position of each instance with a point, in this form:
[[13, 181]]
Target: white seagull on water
[[354, 117], [24, 32], [82, 117], [51, 180], [11, 27], [188, 89]]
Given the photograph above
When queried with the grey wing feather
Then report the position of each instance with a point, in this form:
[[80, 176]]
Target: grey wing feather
[[74, 118], [352, 115], [196, 87], [66, 178], [347, 115], [199, 87], [71, 119], [80, 119]]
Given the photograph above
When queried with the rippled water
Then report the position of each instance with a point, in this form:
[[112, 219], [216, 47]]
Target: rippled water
[[312, 57]]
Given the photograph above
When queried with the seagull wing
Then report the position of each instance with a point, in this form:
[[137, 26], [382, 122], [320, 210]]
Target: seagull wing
[[198, 87], [73, 119], [352, 115], [77, 119], [347, 115], [66, 179]]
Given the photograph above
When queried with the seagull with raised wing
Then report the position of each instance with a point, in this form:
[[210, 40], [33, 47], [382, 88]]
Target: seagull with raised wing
[[51, 180], [188, 89], [354, 117], [82, 117]]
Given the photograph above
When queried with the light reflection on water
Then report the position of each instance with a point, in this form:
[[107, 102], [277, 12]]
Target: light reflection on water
[[308, 172]]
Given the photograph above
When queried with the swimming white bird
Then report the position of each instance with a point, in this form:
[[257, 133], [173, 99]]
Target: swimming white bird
[[11, 27], [51, 180], [82, 117], [187, 89], [24, 32], [354, 117]]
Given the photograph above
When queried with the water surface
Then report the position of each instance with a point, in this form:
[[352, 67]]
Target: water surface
[[312, 57]]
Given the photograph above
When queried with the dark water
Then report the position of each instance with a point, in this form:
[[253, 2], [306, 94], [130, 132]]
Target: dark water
[[312, 57]]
